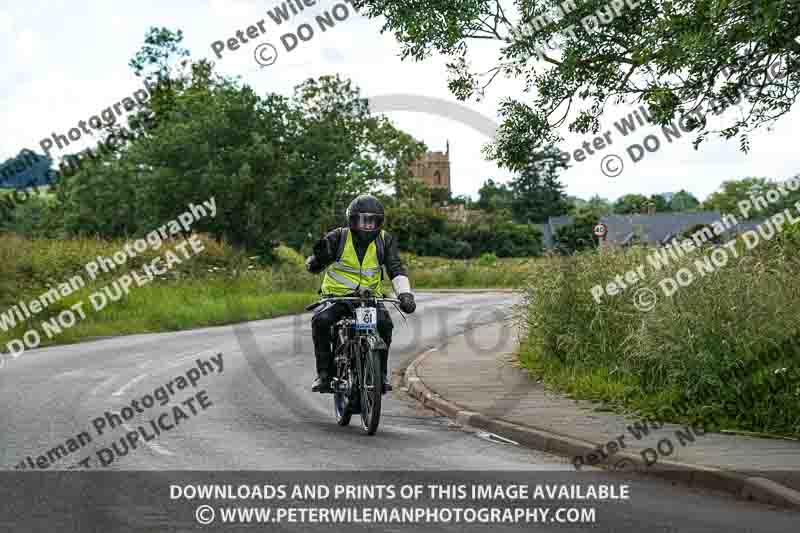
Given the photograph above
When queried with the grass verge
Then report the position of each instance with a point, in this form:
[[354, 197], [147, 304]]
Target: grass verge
[[723, 351], [220, 285]]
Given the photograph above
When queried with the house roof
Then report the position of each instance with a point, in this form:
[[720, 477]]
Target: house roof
[[656, 228]]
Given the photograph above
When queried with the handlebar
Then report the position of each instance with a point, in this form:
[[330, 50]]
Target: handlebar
[[350, 299], [358, 299]]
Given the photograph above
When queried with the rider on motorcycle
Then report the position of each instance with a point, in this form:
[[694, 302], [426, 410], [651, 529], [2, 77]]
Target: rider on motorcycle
[[353, 258]]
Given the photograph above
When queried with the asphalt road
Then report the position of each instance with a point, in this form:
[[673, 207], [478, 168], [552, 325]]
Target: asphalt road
[[258, 414]]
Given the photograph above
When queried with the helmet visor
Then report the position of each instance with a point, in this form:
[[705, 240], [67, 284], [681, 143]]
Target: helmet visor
[[366, 221]]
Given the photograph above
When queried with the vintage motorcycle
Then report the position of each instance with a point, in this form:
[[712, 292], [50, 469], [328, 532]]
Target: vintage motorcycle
[[358, 383]]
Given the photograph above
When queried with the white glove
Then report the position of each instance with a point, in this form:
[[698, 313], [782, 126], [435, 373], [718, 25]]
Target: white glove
[[401, 285]]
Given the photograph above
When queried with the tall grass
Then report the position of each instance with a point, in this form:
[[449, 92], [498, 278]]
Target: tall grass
[[484, 272], [724, 350], [220, 285]]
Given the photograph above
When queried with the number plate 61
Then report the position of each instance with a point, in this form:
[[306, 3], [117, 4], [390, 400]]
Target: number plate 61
[[366, 318]]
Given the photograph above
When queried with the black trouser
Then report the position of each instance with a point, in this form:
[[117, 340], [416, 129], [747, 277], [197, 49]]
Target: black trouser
[[322, 332]]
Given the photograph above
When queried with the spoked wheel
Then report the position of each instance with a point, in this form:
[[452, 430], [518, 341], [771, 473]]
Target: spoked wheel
[[342, 400], [371, 392]]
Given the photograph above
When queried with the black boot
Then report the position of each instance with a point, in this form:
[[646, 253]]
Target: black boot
[[323, 382]]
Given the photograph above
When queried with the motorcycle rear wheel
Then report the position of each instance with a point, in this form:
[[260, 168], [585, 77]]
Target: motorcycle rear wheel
[[342, 400], [371, 391]]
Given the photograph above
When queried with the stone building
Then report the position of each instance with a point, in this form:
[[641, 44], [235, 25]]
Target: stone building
[[433, 169], [460, 214]]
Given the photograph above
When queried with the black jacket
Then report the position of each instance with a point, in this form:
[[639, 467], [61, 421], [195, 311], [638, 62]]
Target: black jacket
[[326, 248]]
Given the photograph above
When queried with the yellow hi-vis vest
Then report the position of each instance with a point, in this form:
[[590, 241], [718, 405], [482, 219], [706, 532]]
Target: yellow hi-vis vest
[[347, 274]]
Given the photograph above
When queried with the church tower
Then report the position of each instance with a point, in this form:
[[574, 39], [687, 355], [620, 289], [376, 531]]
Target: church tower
[[433, 169]]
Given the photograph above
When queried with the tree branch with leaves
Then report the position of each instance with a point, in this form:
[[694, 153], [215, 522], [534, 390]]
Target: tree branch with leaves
[[674, 56]]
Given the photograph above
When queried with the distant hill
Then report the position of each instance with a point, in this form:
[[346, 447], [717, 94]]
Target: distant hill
[[25, 170]]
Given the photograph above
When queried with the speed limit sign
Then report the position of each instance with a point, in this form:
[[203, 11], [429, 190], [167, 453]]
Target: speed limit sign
[[600, 230]]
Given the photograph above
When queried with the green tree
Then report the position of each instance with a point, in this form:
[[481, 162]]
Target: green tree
[[684, 201], [425, 231], [494, 196], [595, 204], [630, 203], [440, 195], [462, 199], [501, 238], [575, 203], [536, 193], [676, 57], [579, 235], [410, 192], [278, 166], [660, 203], [414, 226], [727, 198], [348, 151], [32, 217], [732, 192]]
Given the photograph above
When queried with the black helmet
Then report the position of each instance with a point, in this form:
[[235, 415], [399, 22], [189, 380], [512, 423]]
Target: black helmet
[[365, 215]]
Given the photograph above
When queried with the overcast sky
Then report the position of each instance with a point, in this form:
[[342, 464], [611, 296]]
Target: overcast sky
[[65, 61]]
